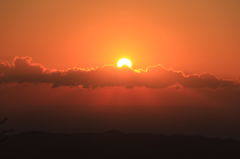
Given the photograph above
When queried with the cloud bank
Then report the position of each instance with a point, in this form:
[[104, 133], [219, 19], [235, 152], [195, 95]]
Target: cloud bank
[[23, 70]]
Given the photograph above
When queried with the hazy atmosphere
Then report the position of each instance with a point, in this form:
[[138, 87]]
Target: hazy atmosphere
[[136, 66]]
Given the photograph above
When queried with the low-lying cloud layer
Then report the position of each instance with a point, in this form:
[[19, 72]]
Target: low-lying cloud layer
[[23, 70], [35, 105]]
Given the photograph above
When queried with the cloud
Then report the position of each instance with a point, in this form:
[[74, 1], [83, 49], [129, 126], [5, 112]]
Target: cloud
[[23, 70]]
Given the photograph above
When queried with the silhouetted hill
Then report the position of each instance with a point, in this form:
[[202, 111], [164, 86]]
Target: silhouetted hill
[[114, 144]]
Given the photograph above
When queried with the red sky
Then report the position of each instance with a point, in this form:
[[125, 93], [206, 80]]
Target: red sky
[[194, 36], [189, 51], [159, 99]]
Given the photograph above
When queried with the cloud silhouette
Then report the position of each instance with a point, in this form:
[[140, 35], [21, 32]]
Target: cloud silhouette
[[23, 70]]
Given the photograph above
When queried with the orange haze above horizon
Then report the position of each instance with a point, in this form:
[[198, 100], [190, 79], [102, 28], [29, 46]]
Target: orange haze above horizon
[[193, 36]]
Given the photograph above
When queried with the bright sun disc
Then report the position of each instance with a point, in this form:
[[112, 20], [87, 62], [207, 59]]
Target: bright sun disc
[[124, 62]]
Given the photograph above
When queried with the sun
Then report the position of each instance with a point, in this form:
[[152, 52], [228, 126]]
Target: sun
[[124, 62]]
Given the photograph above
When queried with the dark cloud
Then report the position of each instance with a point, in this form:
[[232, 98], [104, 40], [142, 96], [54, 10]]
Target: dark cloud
[[70, 109], [35, 105], [23, 70]]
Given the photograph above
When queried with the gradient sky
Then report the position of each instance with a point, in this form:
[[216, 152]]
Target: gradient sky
[[193, 36], [190, 49]]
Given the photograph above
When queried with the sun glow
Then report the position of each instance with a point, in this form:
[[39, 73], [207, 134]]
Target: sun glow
[[124, 62]]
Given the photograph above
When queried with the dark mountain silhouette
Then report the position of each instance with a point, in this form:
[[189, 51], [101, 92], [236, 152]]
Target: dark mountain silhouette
[[115, 144]]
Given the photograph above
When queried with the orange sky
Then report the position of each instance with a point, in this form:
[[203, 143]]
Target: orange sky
[[193, 36], [196, 43]]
